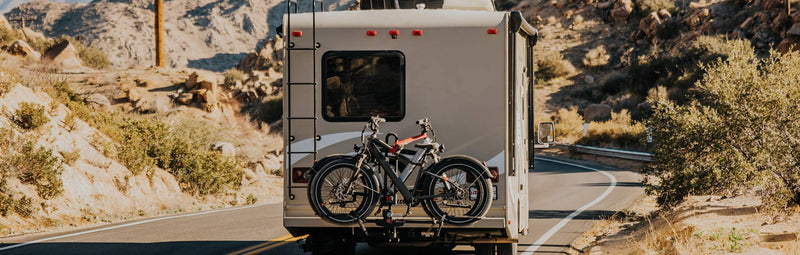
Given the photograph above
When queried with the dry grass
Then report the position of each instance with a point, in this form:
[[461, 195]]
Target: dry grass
[[701, 225], [551, 65]]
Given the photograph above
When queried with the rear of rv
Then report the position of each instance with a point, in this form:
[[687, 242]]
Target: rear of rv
[[469, 72]]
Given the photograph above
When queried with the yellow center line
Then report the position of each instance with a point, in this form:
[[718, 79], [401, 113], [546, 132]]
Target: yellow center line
[[274, 240], [262, 249]]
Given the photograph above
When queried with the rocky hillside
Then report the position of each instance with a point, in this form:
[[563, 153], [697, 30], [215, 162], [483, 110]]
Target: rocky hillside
[[83, 147], [205, 34], [7, 5]]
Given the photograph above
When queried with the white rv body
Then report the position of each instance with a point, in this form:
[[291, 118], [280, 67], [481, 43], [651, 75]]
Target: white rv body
[[469, 72]]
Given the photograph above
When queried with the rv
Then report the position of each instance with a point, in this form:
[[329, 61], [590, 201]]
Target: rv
[[459, 63]]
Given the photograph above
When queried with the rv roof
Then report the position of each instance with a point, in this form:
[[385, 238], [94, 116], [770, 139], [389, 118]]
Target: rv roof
[[394, 18], [475, 5]]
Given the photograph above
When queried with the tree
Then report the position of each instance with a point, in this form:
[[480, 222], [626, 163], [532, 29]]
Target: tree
[[740, 133]]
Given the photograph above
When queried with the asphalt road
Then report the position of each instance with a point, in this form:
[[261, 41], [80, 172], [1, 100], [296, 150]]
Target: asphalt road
[[565, 200]]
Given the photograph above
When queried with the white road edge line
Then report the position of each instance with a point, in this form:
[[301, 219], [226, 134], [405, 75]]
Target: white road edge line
[[536, 245], [128, 225]]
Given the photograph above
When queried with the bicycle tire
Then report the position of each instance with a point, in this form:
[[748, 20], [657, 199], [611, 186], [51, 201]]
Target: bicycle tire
[[460, 169], [326, 191]]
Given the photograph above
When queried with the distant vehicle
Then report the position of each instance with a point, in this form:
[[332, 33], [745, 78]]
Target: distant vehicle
[[458, 62]]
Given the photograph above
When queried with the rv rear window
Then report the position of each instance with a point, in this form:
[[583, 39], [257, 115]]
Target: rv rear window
[[359, 84]]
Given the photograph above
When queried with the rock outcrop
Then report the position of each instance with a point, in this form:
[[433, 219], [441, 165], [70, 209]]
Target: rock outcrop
[[597, 112], [21, 48], [62, 54]]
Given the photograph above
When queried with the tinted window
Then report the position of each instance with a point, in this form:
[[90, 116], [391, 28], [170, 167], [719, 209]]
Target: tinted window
[[358, 85]]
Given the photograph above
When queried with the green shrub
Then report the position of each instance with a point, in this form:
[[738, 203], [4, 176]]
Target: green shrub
[[39, 167], [8, 36], [146, 143], [24, 207], [30, 116], [551, 65], [204, 171], [740, 134], [679, 67], [41, 44], [271, 109], [251, 199], [71, 157], [232, 76], [7, 202]]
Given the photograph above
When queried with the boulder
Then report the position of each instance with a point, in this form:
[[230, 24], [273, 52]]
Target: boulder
[[226, 149], [596, 57], [650, 24], [153, 103], [794, 31], [185, 98], [134, 95], [98, 102], [747, 23], [789, 43], [202, 80], [270, 55], [4, 23], [62, 54], [664, 14], [31, 35], [588, 79], [21, 48], [622, 9], [597, 112]]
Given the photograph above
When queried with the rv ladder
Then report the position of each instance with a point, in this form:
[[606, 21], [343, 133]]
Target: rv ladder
[[289, 84]]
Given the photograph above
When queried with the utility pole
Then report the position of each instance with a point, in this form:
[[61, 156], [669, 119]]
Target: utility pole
[[159, 26]]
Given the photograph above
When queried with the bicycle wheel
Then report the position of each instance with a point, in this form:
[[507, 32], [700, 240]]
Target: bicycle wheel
[[461, 189], [334, 201]]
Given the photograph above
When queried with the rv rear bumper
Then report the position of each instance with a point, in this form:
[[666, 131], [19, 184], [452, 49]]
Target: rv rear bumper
[[414, 222]]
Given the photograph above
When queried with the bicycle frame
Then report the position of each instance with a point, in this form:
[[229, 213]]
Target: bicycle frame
[[374, 147]]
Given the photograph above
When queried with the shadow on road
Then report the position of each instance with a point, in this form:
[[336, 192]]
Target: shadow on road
[[560, 214], [207, 247]]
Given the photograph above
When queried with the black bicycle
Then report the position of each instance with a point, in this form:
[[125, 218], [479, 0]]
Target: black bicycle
[[345, 189]]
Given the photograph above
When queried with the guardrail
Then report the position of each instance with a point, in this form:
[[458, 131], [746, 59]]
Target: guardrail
[[629, 155]]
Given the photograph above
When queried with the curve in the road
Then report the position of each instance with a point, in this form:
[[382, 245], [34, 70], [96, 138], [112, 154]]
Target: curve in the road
[[531, 249]]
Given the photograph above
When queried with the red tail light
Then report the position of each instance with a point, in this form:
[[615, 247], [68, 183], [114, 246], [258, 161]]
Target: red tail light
[[492, 31], [297, 33], [394, 32], [299, 173], [416, 32], [372, 33]]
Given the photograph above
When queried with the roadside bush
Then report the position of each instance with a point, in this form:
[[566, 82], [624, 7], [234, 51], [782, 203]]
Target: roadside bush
[[39, 167], [8, 36], [618, 133], [551, 65], [569, 124], [8, 205], [30, 116], [740, 134], [232, 76], [145, 143], [271, 110], [204, 171]]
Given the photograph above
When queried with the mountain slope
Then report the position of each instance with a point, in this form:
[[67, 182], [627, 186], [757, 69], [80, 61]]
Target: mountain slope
[[207, 34]]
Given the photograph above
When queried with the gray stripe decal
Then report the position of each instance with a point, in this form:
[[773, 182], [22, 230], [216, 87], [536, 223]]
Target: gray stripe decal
[[327, 140]]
